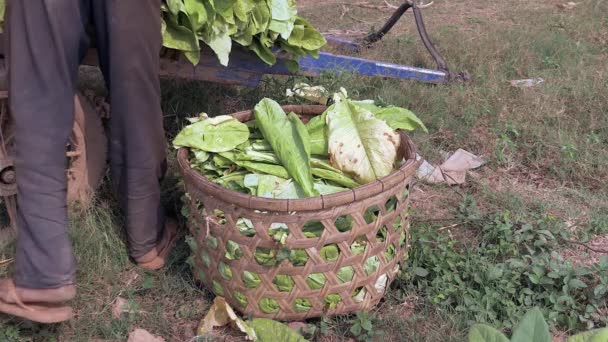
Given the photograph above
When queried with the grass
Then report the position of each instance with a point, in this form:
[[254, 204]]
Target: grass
[[546, 146]]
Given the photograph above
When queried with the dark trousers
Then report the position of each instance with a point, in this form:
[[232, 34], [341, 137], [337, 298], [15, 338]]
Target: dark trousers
[[47, 41]]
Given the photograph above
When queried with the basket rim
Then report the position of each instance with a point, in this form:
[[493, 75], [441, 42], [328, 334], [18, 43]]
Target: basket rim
[[320, 202]]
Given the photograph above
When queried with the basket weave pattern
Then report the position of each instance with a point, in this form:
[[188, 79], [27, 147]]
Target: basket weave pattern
[[215, 227]]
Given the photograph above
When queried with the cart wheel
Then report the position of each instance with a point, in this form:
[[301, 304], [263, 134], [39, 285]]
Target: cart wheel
[[86, 152]]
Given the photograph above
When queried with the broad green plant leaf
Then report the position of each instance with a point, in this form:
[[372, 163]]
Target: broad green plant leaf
[[218, 134], [600, 336], [486, 333], [268, 330], [316, 281], [284, 283], [318, 137], [335, 177], [302, 305], [251, 280], [359, 144], [263, 52], [257, 167], [304, 35], [269, 305], [219, 41], [180, 38], [332, 301], [283, 9], [532, 327], [590, 336], [400, 118], [289, 140]]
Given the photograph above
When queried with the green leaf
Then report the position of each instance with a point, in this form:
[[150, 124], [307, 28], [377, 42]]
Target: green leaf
[[265, 256], [275, 187], [263, 52], [359, 144], [283, 9], [218, 134], [486, 333], [367, 325], [335, 177], [532, 327], [298, 257], [304, 35], [400, 118], [257, 156], [251, 280], [219, 41], [332, 301], [600, 336], [289, 140], [148, 283], [371, 265], [269, 306], [588, 336], [316, 281], [302, 305], [345, 274], [576, 284], [284, 283], [178, 37], [326, 189], [282, 27], [318, 137], [225, 270], [233, 250], [313, 229], [330, 252], [175, 6], [268, 330], [240, 298], [421, 272]]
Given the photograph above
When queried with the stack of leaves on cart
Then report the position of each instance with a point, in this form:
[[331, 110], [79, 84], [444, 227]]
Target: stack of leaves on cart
[[276, 155], [259, 25]]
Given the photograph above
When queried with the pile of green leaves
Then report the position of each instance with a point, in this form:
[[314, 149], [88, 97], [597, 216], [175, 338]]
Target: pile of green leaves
[[276, 155], [258, 25], [512, 267]]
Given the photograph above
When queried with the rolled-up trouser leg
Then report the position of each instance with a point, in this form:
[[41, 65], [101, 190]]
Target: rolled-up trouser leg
[[129, 41], [46, 41]]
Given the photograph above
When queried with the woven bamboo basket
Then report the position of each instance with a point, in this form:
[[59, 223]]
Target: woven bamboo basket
[[385, 235]]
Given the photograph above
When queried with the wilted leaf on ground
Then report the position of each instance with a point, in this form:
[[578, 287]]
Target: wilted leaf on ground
[[220, 314]]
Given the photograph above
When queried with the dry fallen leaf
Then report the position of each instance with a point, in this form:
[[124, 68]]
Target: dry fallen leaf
[[220, 314], [141, 335]]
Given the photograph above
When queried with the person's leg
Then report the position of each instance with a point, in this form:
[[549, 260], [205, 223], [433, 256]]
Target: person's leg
[[46, 41], [129, 40]]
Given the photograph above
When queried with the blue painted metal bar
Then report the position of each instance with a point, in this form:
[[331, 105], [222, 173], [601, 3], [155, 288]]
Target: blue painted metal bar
[[365, 67], [247, 69]]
